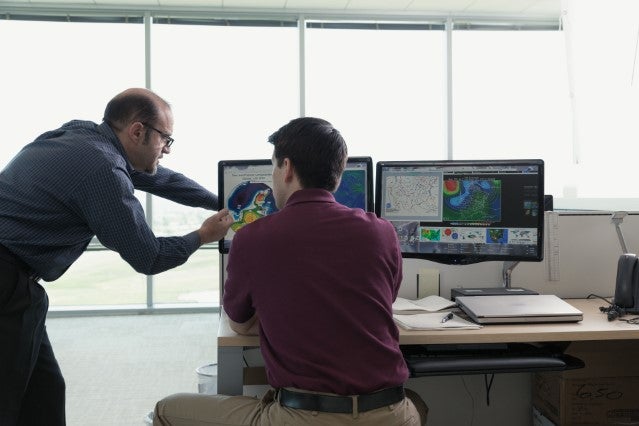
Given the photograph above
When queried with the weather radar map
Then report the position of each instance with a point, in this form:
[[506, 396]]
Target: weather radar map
[[469, 200], [352, 189], [250, 201], [412, 195]]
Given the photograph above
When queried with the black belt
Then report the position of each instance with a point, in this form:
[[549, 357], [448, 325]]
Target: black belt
[[340, 404], [6, 254]]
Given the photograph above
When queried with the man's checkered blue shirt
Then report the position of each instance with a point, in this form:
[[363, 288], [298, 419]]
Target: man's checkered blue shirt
[[74, 183]]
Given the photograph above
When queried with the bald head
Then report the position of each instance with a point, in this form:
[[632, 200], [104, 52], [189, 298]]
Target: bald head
[[135, 104]]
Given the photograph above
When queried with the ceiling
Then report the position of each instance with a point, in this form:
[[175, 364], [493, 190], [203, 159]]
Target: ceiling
[[545, 9]]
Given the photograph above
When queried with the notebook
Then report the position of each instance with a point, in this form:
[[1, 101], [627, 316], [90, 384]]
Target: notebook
[[518, 309]]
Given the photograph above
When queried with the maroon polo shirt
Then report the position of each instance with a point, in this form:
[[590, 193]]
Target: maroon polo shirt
[[322, 278]]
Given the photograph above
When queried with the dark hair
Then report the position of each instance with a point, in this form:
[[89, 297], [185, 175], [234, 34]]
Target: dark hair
[[133, 105], [316, 150]]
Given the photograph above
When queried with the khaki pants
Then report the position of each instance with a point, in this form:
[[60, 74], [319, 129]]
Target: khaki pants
[[196, 409]]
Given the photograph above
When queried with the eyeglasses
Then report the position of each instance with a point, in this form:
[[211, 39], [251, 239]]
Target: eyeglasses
[[168, 140]]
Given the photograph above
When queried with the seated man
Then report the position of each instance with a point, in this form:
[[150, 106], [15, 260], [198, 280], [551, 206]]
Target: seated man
[[317, 281]]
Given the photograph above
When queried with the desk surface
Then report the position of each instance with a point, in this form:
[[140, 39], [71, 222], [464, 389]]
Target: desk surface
[[594, 326]]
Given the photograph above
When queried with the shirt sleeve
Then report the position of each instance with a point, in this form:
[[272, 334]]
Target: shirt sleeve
[[176, 187], [107, 203], [399, 275], [237, 301], [396, 253]]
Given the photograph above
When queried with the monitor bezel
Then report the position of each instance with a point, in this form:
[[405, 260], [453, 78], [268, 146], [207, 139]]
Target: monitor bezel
[[466, 259], [368, 161]]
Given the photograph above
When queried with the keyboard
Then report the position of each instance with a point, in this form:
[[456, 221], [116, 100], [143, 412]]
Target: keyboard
[[439, 360]]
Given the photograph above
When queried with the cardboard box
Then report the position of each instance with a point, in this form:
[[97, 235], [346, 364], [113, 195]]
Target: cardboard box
[[541, 420], [605, 392], [587, 401]]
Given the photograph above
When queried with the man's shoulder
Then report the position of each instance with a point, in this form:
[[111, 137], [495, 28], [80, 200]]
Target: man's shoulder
[[264, 225], [79, 124], [366, 216]]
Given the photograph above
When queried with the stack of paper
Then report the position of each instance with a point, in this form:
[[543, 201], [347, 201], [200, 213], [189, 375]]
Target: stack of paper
[[425, 314], [433, 321], [427, 304]]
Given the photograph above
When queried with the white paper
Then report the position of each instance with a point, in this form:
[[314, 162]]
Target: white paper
[[426, 304], [433, 321]]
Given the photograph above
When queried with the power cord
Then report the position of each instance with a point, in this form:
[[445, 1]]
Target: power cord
[[614, 312], [488, 384], [592, 295], [472, 400]]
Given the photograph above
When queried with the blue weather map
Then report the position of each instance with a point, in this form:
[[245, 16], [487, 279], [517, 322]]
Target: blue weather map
[[352, 189], [497, 236], [472, 200], [250, 201]]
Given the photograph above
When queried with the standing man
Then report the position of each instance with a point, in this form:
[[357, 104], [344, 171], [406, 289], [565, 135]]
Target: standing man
[[60, 191], [317, 281]]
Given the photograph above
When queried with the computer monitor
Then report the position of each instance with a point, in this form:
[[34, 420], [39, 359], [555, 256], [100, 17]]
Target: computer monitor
[[463, 212], [245, 188]]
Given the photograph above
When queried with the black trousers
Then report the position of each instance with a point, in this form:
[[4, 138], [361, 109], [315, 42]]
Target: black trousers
[[32, 389]]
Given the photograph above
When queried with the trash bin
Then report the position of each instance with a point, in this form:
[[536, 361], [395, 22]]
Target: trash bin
[[207, 379]]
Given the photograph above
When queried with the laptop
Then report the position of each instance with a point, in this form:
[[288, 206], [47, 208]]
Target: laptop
[[529, 308]]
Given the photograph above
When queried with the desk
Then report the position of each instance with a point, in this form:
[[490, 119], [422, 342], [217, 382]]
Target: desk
[[594, 326]]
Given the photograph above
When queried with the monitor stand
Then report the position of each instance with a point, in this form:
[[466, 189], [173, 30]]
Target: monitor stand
[[506, 289]]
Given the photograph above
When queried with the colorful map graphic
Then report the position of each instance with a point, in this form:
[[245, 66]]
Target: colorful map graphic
[[472, 200], [250, 201], [352, 190], [430, 234], [497, 235]]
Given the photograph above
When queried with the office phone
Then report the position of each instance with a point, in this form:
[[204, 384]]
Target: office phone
[[627, 285]]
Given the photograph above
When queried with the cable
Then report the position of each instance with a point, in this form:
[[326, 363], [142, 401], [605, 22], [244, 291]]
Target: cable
[[612, 311], [472, 400], [592, 295], [634, 321], [488, 385]]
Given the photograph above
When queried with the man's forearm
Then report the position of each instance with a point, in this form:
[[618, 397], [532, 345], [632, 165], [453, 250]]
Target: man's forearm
[[250, 327]]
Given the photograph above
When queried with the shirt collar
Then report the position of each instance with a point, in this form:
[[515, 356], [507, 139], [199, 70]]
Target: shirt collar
[[310, 195], [107, 131]]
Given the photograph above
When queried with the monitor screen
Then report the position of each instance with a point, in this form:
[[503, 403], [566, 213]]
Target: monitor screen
[[245, 188], [462, 212]]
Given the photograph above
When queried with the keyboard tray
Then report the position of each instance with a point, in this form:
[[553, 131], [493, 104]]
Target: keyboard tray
[[440, 360]]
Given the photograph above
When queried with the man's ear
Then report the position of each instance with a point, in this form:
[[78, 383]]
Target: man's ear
[[289, 170], [135, 132]]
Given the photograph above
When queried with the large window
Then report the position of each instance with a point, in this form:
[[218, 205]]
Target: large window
[[511, 99], [384, 89], [230, 89], [602, 45], [53, 72], [383, 85], [98, 278]]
